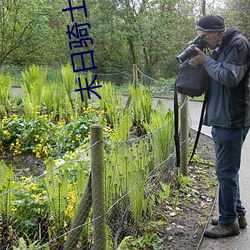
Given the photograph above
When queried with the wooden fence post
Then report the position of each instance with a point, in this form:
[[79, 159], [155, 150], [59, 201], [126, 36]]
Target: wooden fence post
[[98, 195], [135, 74], [80, 218], [184, 135]]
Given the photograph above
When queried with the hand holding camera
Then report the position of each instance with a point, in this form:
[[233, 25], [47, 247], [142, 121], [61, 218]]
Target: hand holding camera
[[191, 51]]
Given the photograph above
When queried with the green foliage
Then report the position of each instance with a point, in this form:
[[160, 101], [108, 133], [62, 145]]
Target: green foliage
[[68, 79], [141, 104], [29, 245], [31, 32], [48, 98], [30, 206], [126, 172], [128, 161], [43, 137], [113, 109], [164, 191], [33, 86], [161, 126], [56, 187], [147, 241], [146, 33], [5, 89], [6, 184]]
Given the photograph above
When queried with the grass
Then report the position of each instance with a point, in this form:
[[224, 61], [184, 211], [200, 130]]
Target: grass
[[53, 74]]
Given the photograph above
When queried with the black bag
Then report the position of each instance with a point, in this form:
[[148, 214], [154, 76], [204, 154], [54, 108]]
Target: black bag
[[192, 80]]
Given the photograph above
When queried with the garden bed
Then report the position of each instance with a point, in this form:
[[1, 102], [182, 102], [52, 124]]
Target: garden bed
[[185, 226]]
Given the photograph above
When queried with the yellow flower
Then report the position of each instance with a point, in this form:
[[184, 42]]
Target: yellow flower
[[6, 132], [73, 199], [45, 151], [69, 211], [31, 187], [38, 155], [37, 196], [14, 209]]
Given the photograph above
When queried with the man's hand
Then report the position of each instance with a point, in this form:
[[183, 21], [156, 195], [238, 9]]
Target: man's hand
[[200, 58]]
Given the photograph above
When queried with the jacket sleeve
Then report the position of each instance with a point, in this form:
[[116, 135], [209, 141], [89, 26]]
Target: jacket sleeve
[[234, 66]]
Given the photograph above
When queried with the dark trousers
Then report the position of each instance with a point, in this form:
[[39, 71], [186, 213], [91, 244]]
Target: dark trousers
[[228, 145]]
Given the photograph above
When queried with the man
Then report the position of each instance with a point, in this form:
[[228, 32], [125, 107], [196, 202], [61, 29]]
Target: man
[[228, 112]]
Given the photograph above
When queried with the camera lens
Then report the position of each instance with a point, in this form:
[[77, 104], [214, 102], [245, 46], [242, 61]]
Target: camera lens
[[187, 53]]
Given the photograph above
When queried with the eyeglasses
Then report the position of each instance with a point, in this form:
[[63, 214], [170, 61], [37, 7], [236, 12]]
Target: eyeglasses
[[203, 36]]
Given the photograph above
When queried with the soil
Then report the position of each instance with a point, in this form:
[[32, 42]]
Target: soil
[[25, 164], [186, 223]]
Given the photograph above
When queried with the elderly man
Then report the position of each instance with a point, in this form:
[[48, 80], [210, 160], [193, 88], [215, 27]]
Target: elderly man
[[228, 112]]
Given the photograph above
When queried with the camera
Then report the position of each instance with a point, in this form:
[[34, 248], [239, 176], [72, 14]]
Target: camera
[[190, 51]]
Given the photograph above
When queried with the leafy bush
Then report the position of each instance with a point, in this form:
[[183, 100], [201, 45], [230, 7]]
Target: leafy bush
[[43, 137]]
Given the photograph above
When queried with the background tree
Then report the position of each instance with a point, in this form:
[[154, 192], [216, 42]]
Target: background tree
[[149, 33], [237, 12], [29, 31]]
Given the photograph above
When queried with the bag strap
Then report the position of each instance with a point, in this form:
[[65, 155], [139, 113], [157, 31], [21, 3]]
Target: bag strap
[[199, 127], [176, 126]]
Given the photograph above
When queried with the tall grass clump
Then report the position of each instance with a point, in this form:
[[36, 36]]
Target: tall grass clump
[[113, 109], [141, 106], [33, 86], [161, 132], [68, 80], [5, 89]]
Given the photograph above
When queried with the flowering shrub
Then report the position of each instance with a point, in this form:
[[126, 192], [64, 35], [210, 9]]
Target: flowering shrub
[[46, 138]]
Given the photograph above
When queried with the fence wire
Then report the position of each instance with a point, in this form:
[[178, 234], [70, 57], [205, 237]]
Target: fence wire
[[44, 210]]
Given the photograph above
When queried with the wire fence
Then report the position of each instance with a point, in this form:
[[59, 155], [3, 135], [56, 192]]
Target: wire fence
[[158, 87], [54, 210], [42, 209]]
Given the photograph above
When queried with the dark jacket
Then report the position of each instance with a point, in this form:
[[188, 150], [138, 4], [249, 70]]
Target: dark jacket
[[229, 90]]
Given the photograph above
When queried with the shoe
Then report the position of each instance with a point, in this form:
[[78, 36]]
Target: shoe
[[221, 231], [241, 219]]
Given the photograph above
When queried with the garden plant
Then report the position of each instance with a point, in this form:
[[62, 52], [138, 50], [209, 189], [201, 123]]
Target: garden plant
[[37, 211]]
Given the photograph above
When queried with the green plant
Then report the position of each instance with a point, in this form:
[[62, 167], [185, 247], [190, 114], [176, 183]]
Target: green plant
[[85, 101], [126, 173], [113, 109], [45, 138], [56, 187], [141, 104], [48, 98], [147, 241], [22, 245], [184, 181], [121, 130], [164, 191], [68, 79], [176, 199], [30, 208], [5, 89], [33, 86], [161, 128], [6, 196]]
